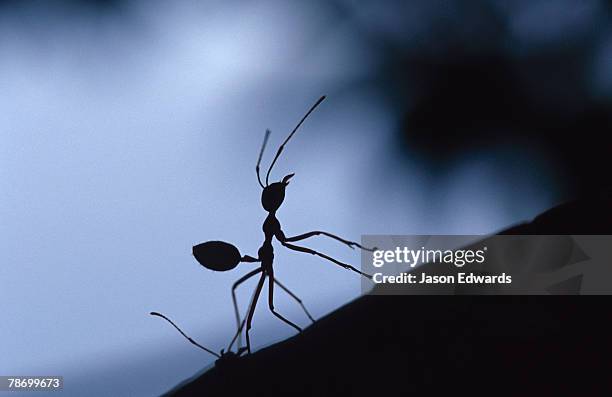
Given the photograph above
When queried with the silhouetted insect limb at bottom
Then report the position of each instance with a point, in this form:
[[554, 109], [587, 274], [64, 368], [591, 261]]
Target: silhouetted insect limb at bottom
[[222, 256], [223, 356]]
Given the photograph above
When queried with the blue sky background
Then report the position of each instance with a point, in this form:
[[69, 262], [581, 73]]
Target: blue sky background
[[128, 138]]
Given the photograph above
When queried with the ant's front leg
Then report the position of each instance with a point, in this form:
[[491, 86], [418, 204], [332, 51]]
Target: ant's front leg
[[329, 258], [350, 244]]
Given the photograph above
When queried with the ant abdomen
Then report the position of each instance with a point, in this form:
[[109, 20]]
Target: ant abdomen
[[217, 255]]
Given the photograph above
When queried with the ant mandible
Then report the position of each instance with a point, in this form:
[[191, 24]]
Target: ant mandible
[[222, 256]]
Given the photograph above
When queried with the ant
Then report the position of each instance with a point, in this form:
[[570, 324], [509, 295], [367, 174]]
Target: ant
[[222, 256], [223, 357]]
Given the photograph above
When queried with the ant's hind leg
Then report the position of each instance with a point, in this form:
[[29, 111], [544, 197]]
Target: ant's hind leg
[[271, 303], [236, 311], [252, 311], [241, 349], [229, 348], [294, 296]]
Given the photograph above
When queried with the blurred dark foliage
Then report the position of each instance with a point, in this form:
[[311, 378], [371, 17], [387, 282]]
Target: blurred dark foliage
[[465, 75], [469, 82], [483, 99]]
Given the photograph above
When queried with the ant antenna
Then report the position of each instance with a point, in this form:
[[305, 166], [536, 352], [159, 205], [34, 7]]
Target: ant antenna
[[280, 149], [182, 333], [263, 147]]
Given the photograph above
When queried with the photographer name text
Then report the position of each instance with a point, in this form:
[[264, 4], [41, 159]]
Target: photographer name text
[[457, 258], [459, 278]]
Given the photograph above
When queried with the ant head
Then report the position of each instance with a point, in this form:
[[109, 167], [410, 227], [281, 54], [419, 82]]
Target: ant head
[[273, 195]]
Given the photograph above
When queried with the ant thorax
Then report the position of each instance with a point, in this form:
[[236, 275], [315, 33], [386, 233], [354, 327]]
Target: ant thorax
[[271, 226]]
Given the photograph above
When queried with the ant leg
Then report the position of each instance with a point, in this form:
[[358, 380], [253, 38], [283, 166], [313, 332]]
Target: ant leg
[[229, 348], [329, 258], [252, 310], [350, 244], [271, 302], [241, 349], [236, 311], [294, 296], [241, 326]]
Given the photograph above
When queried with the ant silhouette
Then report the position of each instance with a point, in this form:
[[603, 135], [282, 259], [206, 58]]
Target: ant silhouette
[[222, 256], [223, 357]]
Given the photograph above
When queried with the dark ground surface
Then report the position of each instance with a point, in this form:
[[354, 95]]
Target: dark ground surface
[[429, 345]]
